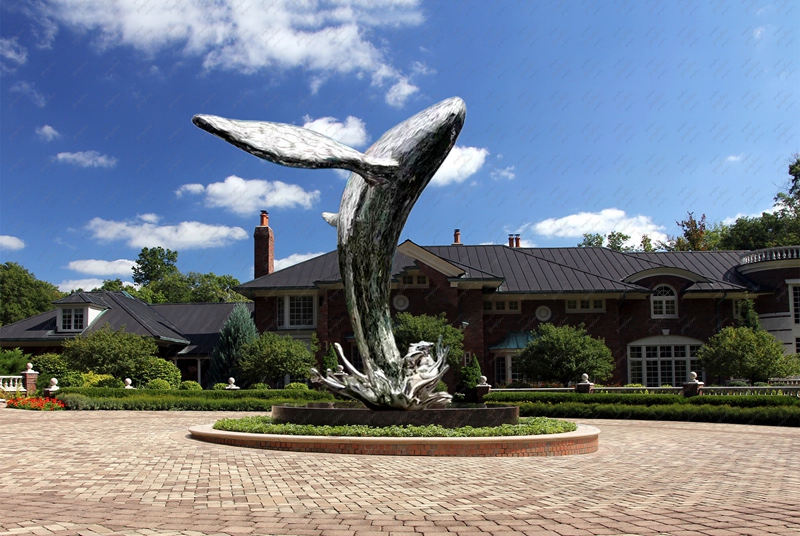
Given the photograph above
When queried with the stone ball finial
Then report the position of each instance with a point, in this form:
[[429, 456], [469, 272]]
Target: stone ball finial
[[584, 378], [128, 383], [231, 384], [29, 367], [693, 376], [53, 383]]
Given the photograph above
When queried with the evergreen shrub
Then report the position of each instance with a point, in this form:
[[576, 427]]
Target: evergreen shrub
[[190, 385], [158, 384]]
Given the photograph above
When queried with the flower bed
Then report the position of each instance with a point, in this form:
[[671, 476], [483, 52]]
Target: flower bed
[[35, 403]]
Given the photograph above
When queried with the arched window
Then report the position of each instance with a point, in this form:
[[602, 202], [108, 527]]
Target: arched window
[[664, 303]]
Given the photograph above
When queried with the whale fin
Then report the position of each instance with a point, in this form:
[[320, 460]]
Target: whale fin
[[293, 146], [331, 217]]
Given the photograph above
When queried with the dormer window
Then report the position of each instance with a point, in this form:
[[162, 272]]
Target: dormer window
[[664, 303], [73, 319]]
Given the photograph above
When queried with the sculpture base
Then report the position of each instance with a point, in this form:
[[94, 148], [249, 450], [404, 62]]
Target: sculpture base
[[584, 440], [446, 417]]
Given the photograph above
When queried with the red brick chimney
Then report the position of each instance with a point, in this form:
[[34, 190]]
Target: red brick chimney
[[516, 241], [264, 242], [511, 240], [457, 237]]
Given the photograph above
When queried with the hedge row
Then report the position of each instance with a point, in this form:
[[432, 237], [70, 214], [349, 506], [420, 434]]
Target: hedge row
[[764, 415], [160, 402], [635, 399], [266, 394]]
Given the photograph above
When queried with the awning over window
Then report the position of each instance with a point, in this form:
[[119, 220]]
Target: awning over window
[[514, 340]]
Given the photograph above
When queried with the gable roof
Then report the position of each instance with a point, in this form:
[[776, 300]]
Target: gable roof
[[191, 327], [532, 270]]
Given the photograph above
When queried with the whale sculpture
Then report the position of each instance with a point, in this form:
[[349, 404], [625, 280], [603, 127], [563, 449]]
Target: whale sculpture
[[386, 181]]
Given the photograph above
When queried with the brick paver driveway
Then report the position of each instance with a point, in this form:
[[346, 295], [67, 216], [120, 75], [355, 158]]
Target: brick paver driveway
[[137, 473]]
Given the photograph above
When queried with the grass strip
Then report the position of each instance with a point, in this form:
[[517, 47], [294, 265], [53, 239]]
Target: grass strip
[[527, 426]]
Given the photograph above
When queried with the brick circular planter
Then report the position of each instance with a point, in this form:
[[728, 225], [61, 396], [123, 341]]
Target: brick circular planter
[[477, 417], [582, 441]]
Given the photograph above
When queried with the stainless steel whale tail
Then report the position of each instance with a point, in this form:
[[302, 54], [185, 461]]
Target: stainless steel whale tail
[[387, 180]]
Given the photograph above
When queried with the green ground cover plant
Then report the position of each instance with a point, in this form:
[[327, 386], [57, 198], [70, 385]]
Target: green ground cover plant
[[526, 426], [266, 394]]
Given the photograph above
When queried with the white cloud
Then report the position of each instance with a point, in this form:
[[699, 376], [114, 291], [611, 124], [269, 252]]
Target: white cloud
[[245, 197], [12, 54], [185, 235], [505, 173], [193, 188], [352, 132], [733, 158], [11, 242], [603, 222], [75, 284], [87, 159], [400, 92], [460, 164], [294, 258], [320, 37], [149, 217], [122, 267], [758, 33], [28, 89], [47, 133], [732, 220]]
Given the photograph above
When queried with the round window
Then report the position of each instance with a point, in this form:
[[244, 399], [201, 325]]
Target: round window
[[400, 302], [543, 313]]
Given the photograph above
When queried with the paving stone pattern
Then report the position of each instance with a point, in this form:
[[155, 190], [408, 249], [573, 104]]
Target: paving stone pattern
[[136, 473]]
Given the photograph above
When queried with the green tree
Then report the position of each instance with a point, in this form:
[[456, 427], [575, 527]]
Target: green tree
[[693, 237], [592, 240], [270, 357], [106, 351], [749, 316], [646, 245], [154, 264], [213, 288], [614, 240], [329, 360], [772, 229], [13, 361], [563, 354], [238, 331], [741, 352], [471, 374], [22, 295], [409, 329]]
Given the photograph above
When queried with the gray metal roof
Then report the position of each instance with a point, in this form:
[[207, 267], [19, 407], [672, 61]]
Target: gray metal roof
[[193, 327], [537, 270], [198, 322]]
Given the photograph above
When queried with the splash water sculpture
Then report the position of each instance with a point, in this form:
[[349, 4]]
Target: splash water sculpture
[[385, 182]]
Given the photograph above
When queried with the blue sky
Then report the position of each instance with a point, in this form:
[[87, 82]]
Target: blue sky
[[581, 117]]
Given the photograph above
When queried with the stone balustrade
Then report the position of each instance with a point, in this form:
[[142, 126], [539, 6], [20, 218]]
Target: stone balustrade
[[770, 254], [12, 384]]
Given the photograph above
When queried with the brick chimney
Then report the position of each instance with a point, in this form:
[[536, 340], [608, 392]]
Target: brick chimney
[[264, 242], [457, 237], [516, 241], [511, 240]]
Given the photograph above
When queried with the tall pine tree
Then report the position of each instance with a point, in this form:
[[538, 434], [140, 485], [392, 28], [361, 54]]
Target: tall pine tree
[[237, 331]]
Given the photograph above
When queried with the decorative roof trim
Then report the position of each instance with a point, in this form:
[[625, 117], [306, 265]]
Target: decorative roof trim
[[661, 271], [439, 264]]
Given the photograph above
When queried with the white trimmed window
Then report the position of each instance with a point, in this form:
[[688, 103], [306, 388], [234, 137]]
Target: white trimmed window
[[501, 307], [663, 364], [796, 303], [73, 319], [664, 302], [296, 312], [586, 305]]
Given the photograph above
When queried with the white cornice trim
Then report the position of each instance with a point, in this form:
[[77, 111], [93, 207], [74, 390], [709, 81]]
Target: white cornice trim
[[769, 265], [439, 264], [664, 339]]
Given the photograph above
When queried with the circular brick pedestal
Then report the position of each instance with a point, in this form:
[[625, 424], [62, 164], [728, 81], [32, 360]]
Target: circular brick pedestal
[[582, 441]]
